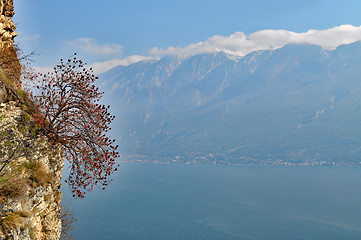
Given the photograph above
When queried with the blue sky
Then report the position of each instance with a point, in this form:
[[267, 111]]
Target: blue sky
[[111, 30]]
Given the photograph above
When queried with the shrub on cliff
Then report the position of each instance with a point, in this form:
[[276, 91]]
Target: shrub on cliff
[[69, 116]]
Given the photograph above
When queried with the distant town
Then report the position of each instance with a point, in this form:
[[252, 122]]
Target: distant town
[[225, 159]]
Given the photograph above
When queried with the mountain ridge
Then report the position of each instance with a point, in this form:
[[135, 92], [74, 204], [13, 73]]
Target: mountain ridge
[[271, 104]]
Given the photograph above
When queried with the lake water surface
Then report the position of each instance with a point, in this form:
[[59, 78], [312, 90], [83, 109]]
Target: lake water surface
[[219, 202]]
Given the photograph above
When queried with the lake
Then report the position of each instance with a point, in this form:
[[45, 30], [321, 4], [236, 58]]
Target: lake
[[223, 202]]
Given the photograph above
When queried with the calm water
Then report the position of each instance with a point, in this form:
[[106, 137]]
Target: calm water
[[209, 202]]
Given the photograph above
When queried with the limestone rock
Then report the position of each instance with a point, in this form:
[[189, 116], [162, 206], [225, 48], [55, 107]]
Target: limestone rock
[[40, 199], [7, 26], [30, 182]]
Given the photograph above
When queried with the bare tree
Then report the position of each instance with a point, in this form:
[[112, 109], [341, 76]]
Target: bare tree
[[67, 223]]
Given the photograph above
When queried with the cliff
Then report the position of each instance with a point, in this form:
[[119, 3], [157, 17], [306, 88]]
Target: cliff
[[30, 172]]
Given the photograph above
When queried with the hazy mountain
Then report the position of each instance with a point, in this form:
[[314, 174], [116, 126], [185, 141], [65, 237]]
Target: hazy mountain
[[298, 103]]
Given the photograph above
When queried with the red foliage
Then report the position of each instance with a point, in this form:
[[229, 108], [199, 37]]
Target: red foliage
[[70, 116]]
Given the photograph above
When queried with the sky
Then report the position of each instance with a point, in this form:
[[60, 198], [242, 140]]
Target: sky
[[120, 32]]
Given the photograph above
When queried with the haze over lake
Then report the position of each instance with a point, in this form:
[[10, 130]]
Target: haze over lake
[[209, 202]]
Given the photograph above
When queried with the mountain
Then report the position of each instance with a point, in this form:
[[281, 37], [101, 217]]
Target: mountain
[[297, 104]]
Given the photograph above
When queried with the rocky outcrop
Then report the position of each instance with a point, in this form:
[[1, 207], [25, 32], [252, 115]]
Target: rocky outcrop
[[7, 27], [30, 170], [9, 62], [30, 183]]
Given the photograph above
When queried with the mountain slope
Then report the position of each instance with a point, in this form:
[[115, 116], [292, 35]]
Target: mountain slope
[[298, 103]]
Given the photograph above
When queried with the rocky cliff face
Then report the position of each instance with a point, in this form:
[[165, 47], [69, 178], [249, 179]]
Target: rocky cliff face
[[30, 172], [30, 183], [8, 57], [7, 27]]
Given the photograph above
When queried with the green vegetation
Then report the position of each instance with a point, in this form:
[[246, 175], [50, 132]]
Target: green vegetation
[[16, 138]]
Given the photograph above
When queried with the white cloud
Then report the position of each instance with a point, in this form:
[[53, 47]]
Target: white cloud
[[237, 44], [240, 44], [101, 67], [90, 46]]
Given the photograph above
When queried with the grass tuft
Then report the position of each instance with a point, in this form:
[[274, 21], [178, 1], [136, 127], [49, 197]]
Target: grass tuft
[[13, 220]]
